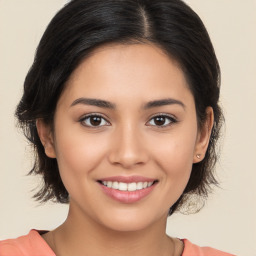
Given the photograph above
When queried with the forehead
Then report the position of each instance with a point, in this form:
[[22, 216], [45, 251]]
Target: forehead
[[127, 71]]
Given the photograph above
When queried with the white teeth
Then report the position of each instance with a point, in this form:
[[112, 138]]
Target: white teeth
[[122, 186], [115, 185], [133, 186], [139, 185], [150, 183]]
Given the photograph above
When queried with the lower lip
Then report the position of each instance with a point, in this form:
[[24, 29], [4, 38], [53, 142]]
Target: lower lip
[[127, 196]]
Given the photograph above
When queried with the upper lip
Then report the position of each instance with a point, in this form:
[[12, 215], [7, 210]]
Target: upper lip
[[128, 179]]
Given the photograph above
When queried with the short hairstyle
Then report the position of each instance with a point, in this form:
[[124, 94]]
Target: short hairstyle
[[83, 25]]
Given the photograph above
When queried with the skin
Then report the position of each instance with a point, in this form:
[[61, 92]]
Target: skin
[[127, 142]]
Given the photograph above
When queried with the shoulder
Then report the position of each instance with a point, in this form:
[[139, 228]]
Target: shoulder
[[195, 250], [7, 248], [31, 244]]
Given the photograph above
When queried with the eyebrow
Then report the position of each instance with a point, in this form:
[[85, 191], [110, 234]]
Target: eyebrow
[[163, 102], [94, 102], [106, 104]]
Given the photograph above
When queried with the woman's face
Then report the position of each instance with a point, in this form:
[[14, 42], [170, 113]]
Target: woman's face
[[125, 120]]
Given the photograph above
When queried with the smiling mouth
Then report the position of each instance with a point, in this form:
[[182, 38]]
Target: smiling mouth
[[122, 186]]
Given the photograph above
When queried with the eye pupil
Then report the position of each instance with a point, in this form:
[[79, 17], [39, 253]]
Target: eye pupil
[[95, 120], [160, 120]]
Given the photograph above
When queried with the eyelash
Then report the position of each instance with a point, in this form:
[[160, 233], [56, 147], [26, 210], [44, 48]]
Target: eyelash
[[171, 119], [87, 117]]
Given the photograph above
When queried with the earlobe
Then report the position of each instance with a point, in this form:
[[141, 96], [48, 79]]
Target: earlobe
[[204, 135], [46, 137]]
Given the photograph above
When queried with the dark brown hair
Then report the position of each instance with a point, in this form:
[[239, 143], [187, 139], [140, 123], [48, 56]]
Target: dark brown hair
[[80, 27]]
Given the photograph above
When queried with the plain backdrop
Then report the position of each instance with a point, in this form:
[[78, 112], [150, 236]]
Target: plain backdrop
[[227, 221]]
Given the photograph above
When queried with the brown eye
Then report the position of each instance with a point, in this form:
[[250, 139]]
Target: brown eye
[[162, 120], [94, 121]]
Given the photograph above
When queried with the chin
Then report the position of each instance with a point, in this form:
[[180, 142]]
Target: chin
[[128, 225], [131, 221]]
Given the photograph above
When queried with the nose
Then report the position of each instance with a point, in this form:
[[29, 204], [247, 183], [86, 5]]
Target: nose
[[128, 148]]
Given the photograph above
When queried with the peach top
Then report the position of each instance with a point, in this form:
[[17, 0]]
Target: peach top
[[34, 245]]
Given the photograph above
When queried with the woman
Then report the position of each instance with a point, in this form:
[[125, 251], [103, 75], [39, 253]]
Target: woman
[[121, 105]]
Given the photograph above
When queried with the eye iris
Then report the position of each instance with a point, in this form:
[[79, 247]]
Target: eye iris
[[160, 120], [95, 120]]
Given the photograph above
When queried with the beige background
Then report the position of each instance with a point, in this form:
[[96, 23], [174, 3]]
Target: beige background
[[228, 220]]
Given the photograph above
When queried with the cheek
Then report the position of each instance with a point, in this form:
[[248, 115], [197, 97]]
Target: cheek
[[78, 153], [177, 158], [174, 155], [176, 166], [175, 152], [177, 163]]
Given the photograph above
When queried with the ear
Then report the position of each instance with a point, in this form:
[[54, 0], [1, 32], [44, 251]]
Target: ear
[[203, 136], [46, 136]]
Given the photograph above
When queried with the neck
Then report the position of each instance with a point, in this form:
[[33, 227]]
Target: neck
[[80, 235]]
